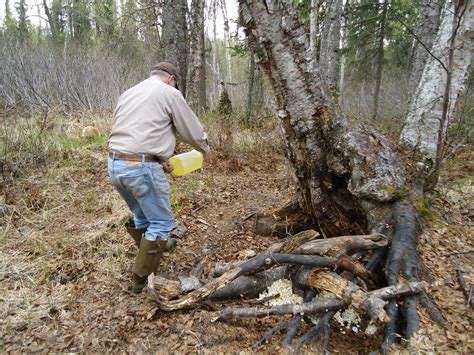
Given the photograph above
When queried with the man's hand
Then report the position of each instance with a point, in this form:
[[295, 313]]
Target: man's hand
[[167, 167]]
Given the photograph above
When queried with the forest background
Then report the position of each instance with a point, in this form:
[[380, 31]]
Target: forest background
[[65, 62]]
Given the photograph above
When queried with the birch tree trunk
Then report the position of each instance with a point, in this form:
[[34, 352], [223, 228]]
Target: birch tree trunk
[[313, 31], [215, 54], [330, 43], [175, 37], [441, 84], [196, 81], [426, 28], [347, 173], [250, 92], [380, 58], [350, 180], [228, 57]]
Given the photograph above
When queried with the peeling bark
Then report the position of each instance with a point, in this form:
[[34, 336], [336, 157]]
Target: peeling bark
[[436, 96], [346, 172]]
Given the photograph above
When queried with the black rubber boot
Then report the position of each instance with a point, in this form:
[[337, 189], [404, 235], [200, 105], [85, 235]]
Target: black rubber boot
[[146, 262]]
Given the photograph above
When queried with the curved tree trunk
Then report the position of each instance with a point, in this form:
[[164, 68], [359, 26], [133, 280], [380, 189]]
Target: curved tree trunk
[[347, 173], [350, 180]]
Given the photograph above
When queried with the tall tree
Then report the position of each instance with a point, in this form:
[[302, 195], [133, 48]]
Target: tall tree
[[9, 21], [80, 20], [427, 25], [330, 53], [175, 37], [380, 56], [250, 93], [441, 83], [228, 56], [196, 81], [350, 179], [56, 19], [213, 7], [23, 23], [314, 30], [105, 18]]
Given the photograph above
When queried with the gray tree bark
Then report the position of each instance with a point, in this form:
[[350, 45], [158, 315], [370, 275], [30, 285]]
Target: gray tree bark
[[250, 92], [313, 31], [441, 83], [426, 28], [175, 38], [344, 170], [330, 53], [380, 58], [196, 81]]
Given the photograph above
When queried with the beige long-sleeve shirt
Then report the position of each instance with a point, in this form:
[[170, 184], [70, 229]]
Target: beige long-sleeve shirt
[[147, 118]]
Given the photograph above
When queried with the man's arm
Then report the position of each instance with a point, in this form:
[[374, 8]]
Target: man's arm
[[187, 124]]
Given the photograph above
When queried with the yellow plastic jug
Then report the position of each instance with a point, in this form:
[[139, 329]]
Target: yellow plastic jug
[[185, 163]]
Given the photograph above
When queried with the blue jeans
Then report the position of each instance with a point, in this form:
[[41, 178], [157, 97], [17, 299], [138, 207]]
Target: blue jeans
[[145, 189]]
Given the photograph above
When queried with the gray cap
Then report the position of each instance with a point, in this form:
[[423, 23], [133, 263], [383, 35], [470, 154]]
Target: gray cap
[[169, 68]]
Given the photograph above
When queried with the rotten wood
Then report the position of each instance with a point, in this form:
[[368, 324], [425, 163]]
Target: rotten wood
[[283, 221], [357, 269], [350, 293], [323, 305], [338, 245], [253, 265], [292, 243]]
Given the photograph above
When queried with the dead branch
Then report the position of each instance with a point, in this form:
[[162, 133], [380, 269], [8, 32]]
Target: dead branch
[[257, 263], [312, 307], [338, 245], [366, 301]]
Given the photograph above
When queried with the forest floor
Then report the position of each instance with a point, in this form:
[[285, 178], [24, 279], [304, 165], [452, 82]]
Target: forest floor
[[65, 259]]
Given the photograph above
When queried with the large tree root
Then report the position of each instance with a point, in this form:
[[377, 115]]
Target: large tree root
[[402, 258]]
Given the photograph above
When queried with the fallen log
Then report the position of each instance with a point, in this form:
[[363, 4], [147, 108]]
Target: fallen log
[[338, 245], [251, 266], [322, 305]]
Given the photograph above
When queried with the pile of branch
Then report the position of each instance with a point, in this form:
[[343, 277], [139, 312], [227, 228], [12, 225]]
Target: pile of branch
[[315, 266]]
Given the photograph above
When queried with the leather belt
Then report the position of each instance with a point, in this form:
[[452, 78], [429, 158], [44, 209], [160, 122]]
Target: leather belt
[[146, 158]]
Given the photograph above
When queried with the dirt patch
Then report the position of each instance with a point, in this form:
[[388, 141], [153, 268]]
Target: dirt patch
[[65, 262]]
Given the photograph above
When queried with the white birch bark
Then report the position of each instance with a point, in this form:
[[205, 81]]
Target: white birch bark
[[422, 125], [427, 26], [215, 55]]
